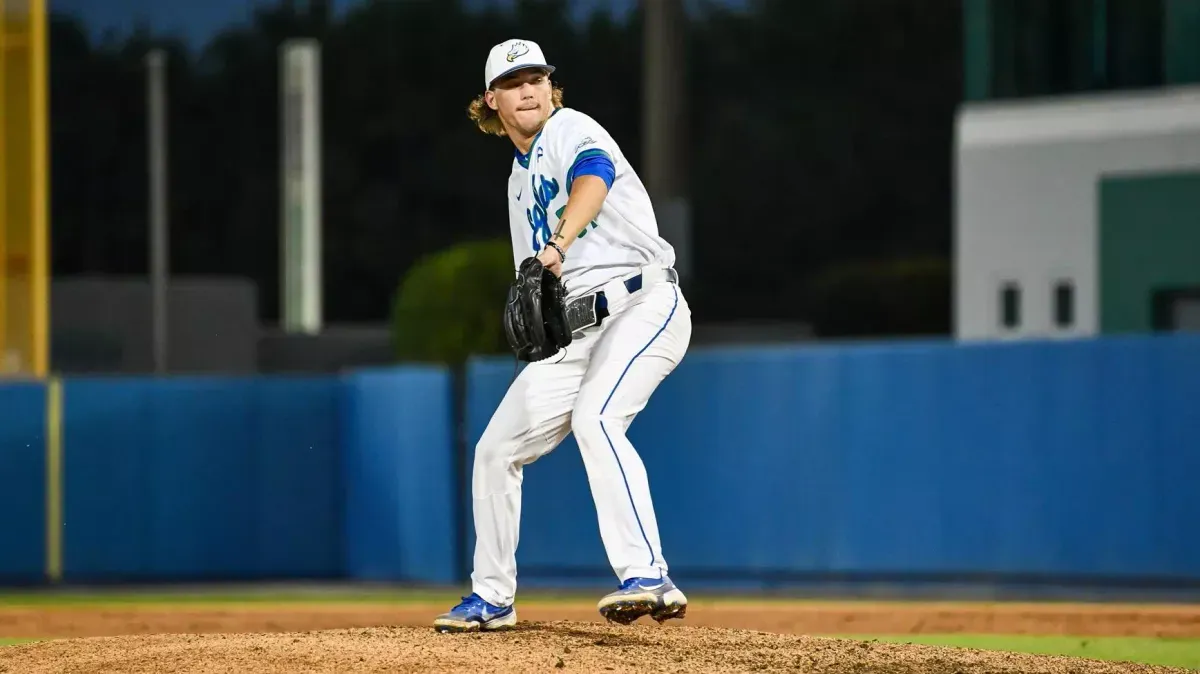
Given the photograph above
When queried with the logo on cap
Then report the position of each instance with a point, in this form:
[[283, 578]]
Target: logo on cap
[[518, 49]]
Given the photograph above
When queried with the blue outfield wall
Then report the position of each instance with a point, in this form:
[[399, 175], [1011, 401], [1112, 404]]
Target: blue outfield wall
[[201, 478], [918, 460], [398, 455], [22, 482], [219, 478], [907, 461]]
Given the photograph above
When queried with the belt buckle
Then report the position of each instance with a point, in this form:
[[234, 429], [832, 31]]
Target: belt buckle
[[586, 311]]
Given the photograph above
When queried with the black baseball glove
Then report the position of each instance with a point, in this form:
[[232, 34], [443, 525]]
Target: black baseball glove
[[535, 316]]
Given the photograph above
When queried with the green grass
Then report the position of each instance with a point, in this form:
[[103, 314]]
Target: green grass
[[11, 642], [1147, 650]]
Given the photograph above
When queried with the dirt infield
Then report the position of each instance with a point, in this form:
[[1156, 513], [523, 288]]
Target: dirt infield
[[716, 636], [799, 618], [532, 647]]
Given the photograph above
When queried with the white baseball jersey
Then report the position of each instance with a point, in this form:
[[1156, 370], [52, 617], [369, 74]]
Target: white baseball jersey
[[622, 238], [590, 389]]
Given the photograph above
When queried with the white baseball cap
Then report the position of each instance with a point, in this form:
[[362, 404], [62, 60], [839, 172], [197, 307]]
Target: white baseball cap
[[513, 55]]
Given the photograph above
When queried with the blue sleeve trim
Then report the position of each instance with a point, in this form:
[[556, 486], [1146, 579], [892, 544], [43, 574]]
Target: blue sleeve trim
[[592, 162]]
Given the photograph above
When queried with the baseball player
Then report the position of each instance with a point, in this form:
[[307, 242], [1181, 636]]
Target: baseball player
[[577, 205]]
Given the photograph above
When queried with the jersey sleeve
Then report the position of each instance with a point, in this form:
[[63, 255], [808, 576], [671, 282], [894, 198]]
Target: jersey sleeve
[[585, 148]]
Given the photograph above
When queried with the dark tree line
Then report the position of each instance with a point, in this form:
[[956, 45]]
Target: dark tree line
[[819, 140]]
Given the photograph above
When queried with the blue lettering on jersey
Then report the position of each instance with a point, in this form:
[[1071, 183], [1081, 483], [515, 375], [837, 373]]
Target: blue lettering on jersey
[[538, 221]]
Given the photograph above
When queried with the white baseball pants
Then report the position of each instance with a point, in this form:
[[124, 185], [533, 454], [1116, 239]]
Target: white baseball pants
[[593, 388]]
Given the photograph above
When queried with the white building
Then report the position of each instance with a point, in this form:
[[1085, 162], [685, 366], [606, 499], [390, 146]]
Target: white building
[[1077, 215]]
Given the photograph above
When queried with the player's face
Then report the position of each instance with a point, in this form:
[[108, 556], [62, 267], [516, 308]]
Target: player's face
[[522, 100]]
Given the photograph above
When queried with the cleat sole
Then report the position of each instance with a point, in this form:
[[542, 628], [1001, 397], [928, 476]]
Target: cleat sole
[[669, 612], [461, 627], [626, 612], [624, 609]]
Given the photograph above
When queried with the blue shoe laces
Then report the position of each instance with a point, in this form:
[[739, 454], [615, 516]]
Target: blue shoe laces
[[469, 601]]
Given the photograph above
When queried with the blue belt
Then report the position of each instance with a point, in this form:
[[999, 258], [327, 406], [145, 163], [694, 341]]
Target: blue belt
[[634, 283]]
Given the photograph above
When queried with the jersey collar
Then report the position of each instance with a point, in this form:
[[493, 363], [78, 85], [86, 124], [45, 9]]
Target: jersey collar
[[523, 157]]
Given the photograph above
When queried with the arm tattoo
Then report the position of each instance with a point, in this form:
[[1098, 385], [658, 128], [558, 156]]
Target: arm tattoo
[[558, 230]]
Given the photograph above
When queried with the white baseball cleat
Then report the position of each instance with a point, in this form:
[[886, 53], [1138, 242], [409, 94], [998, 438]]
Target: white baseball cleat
[[655, 597], [475, 615]]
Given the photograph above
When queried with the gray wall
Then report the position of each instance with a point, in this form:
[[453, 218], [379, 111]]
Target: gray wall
[[102, 325]]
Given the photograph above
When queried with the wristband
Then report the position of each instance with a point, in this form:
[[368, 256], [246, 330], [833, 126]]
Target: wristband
[[562, 255]]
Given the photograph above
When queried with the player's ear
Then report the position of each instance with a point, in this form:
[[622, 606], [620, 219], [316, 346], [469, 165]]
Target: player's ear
[[489, 97]]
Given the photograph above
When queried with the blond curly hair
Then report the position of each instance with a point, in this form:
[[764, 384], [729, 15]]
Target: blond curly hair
[[488, 120]]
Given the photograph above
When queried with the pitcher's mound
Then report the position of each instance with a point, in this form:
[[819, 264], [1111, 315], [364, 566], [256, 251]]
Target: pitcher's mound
[[530, 647]]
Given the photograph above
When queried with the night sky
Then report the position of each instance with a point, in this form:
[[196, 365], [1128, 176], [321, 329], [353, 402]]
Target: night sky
[[197, 20]]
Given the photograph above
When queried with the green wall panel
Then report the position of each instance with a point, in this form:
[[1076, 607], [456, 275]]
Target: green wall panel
[[1149, 239], [1182, 41], [977, 49]]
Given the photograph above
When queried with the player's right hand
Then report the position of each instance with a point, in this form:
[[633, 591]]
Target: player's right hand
[[551, 260]]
